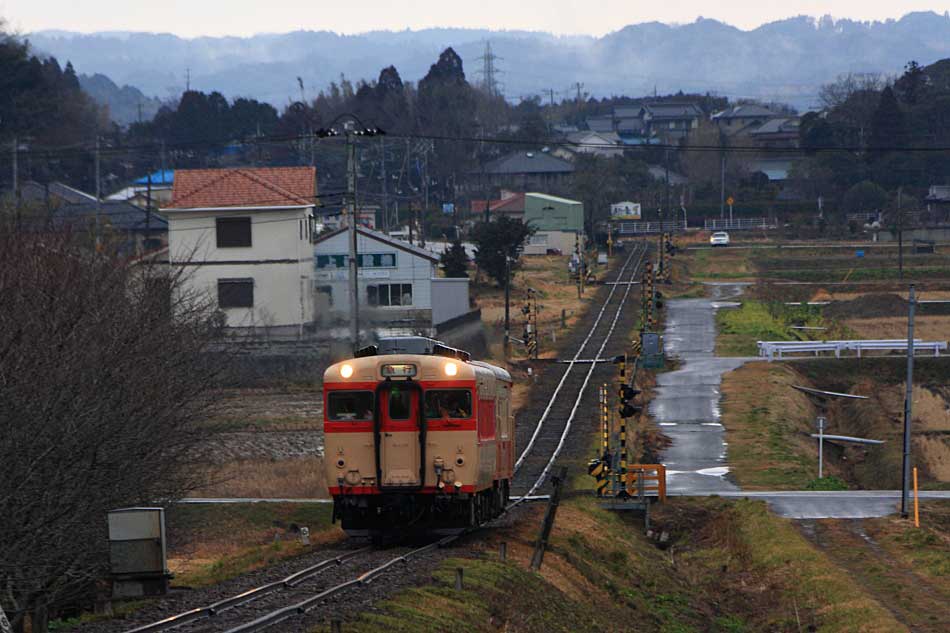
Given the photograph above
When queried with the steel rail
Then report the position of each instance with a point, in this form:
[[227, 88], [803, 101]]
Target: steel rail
[[308, 604], [580, 392], [573, 361], [245, 597]]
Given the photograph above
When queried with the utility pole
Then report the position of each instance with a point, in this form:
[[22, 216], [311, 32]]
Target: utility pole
[[900, 233], [382, 149], [507, 304], [16, 148], [148, 208], [351, 212], [908, 406], [425, 188], [98, 198], [722, 186]]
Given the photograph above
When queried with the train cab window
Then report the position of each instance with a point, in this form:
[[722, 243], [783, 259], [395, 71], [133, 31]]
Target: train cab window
[[399, 404], [448, 403], [356, 406]]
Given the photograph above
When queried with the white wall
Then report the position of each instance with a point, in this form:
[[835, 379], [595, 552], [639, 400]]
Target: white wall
[[540, 242], [410, 268], [279, 261], [449, 299]]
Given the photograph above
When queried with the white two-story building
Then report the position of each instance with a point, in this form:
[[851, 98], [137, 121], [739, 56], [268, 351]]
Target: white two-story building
[[243, 237], [398, 285]]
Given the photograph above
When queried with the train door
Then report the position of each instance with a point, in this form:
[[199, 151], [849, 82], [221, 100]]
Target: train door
[[401, 435]]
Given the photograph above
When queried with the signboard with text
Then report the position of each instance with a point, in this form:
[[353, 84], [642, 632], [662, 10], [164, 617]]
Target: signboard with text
[[625, 211]]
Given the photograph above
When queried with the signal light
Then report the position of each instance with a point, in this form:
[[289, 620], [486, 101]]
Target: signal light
[[628, 410], [628, 393]]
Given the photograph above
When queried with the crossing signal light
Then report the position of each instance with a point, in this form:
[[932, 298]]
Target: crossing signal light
[[627, 409]]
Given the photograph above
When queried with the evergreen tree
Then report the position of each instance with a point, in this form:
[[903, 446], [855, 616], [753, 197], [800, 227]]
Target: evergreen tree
[[497, 240], [454, 260], [912, 84], [887, 124]]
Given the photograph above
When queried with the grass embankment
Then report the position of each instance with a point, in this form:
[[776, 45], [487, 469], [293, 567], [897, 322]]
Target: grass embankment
[[768, 423], [905, 568], [730, 566], [212, 543], [740, 329]]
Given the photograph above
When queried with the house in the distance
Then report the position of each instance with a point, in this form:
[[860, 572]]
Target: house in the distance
[[523, 170], [398, 289], [601, 144], [243, 237], [510, 205], [154, 189], [558, 223]]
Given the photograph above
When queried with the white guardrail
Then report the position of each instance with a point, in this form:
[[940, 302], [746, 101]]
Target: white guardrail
[[779, 349]]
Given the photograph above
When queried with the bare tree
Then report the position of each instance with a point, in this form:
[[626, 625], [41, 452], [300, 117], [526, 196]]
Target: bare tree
[[104, 383]]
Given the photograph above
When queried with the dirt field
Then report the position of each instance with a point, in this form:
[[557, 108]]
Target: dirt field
[[557, 293], [929, 328]]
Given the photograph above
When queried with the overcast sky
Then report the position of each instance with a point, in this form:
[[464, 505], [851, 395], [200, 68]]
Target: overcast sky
[[245, 17]]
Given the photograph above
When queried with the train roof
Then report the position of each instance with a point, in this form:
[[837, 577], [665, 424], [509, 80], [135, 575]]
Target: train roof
[[418, 345]]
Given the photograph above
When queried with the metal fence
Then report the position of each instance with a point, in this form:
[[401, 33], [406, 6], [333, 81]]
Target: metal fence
[[738, 224], [640, 228], [780, 349]]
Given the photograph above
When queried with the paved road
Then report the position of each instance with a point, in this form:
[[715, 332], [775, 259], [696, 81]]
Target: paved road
[[851, 504], [686, 404]]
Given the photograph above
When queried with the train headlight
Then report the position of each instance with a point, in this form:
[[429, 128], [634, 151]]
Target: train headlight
[[346, 371], [451, 369]]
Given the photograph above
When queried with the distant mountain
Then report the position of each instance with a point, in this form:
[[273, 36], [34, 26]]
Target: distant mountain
[[786, 60], [126, 104]]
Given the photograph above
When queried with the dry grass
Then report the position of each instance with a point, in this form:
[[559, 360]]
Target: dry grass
[[268, 409], [300, 478], [211, 543], [930, 328], [548, 275], [765, 421]]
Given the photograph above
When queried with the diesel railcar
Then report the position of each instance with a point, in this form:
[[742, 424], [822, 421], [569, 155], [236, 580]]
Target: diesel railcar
[[417, 434]]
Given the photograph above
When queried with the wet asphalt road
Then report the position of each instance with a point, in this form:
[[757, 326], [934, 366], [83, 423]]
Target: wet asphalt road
[[686, 404]]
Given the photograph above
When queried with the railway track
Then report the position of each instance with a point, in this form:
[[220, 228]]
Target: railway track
[[557, 401], [289, 600]]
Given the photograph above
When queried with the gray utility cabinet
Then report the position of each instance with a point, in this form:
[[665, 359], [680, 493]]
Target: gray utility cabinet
[[137, 552]]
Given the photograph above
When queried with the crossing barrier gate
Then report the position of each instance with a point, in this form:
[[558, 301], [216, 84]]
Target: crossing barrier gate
[[647, 480]]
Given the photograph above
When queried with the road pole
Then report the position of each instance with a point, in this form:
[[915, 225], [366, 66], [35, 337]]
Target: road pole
[[900, 233], [507, 304], [908, 406], [354, 270], [821, 446], [98, 199]]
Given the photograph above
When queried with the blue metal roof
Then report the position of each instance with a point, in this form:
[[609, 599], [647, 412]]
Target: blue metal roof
[[159, 177]]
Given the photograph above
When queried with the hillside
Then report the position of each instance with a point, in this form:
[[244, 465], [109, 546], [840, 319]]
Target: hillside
[[126, 104], [774, 61]]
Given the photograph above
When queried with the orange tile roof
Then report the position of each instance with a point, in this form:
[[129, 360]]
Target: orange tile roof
[[244, 187]]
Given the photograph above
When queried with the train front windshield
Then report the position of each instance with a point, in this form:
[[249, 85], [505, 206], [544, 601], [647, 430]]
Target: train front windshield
[[448, 403], [356, 406]]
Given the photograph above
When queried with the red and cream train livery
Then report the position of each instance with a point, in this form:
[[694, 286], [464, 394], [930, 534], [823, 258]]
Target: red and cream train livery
[[417, 434]]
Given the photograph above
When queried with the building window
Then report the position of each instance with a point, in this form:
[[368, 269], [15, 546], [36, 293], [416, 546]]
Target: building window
[[366, 260], [386, 295], [378, 260], [235, 293], [233, 232], [331, 261]]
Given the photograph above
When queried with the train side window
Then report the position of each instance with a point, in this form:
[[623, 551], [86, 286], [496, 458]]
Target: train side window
[[352, 406], [399, 404], [448, 403]]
